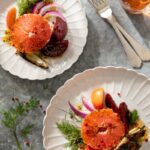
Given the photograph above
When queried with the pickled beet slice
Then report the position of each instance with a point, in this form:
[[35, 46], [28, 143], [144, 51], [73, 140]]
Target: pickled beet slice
[[110, 103], [60, 30], [124, 115], [55, 49]]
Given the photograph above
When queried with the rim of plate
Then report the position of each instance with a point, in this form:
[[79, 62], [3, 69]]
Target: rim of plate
[[74, 78], [61, 71]]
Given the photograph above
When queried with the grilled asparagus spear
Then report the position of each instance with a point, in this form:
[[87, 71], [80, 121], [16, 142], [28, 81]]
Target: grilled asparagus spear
[[132, 141], [35, 59]]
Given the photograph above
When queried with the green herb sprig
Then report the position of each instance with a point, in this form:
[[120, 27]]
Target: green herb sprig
[[133, 117], [71, 133], [48, 1], [25, 5], [12, 118], [27, 130]]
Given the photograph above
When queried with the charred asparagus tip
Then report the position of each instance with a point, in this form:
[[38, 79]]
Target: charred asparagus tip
[[35, 59]]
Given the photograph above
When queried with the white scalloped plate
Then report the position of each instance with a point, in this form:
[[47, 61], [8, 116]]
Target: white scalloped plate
[[134, 89], [77, 35]]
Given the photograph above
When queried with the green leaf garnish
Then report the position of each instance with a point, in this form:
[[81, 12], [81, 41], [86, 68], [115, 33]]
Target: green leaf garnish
[[48, 1], [33, 103], [12, 118], [25, 5], [71, 133], [27, 130], [133, 117]]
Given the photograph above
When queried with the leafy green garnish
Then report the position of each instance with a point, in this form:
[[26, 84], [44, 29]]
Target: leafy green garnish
[[25, 5], [48, 1], [71, 133], [27, 130], [133, 117], [12, 118], [32, 104]]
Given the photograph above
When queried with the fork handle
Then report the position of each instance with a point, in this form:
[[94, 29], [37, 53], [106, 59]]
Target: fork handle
[[140, 50], [132, 56]]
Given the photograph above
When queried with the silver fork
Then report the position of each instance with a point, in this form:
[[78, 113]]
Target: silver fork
[[127, 41]]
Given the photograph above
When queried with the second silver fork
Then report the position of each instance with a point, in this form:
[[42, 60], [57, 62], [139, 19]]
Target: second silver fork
[[128, 42]]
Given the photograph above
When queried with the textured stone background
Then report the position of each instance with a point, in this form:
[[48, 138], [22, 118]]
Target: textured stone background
[[102, 49]]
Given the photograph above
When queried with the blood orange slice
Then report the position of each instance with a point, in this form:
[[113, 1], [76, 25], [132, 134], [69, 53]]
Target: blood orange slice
[[88, 148], [30, 33], [11, 17], [102, 129]]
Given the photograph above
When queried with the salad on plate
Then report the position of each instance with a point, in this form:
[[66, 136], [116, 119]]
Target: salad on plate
[[100, 124], [37, 29]]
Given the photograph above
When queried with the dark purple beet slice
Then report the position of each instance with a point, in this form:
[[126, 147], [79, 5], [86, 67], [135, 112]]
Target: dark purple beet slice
[[60, 30], [110, 103], [124, 115], [55, 49]]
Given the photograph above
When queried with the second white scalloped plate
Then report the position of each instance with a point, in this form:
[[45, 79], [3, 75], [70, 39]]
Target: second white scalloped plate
[[133, 87], [77, 35]]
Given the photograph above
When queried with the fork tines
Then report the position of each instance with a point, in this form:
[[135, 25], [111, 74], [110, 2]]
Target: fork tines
[[99, 4]]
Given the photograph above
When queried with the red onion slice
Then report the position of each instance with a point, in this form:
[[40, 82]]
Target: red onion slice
[[86, 104], [37, 7], [50, 7], [76, 111], [55, 14]]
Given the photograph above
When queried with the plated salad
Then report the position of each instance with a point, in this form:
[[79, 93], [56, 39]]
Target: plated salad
[[37, 29], [102, 125]]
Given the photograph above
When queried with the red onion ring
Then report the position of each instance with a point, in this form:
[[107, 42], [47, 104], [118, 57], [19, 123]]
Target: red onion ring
[[50, 7], [37, 7], [76, 111], [55, 14], [86, 104]]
